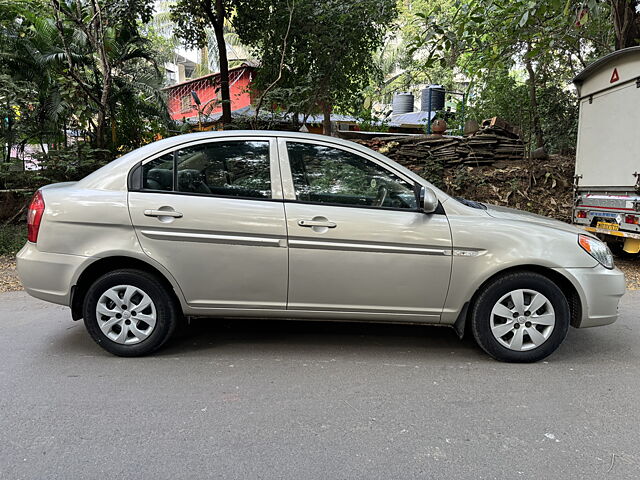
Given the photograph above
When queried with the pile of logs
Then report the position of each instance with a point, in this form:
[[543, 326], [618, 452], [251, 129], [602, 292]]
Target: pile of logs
[[495, 140], [506, 139]]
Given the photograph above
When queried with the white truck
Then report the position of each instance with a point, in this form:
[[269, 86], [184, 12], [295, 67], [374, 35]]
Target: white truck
[[607, 177]]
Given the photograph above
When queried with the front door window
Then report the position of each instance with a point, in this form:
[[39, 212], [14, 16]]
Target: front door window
[[329, 175]]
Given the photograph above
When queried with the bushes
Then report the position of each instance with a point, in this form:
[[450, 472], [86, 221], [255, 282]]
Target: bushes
[[60, 165], [12, 238], [72, 163]]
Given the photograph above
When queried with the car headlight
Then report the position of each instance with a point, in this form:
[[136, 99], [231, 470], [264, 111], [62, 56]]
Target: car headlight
[[597, 250]]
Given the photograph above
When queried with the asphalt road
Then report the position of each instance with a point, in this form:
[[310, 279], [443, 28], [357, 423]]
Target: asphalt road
[[264, 399]]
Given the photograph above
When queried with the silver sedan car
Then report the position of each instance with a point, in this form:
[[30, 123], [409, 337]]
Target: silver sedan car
[[290, 225]]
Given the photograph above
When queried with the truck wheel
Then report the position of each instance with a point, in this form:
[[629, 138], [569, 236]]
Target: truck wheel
[[130, 313], [520, 317]]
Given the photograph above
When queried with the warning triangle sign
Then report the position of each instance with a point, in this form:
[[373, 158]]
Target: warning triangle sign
[[614, 76]]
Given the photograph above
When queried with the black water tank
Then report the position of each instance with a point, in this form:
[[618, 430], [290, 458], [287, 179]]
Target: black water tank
[[437, 98]]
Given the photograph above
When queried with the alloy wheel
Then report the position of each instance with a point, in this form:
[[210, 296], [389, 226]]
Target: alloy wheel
[[522, 320]]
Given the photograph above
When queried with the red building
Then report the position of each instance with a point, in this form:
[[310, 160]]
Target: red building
[[182, 105]]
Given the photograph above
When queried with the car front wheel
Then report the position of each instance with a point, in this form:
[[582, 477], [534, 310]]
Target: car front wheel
[[129, 312], [520, 317]]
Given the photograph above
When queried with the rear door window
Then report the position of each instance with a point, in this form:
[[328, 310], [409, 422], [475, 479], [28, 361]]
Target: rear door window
[[158, 174], [238, 168], [234, 168]]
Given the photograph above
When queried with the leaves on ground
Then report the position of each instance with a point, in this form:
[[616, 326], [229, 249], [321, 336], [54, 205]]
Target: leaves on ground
[[9, 281]]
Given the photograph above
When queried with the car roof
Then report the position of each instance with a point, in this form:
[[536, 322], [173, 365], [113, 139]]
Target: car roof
[[189, 137], [113, 176]]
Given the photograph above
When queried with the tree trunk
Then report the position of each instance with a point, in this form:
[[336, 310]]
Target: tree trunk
[[326, 121], [94, 32], [218, 29], [533, 100], [101, 121], [105, 70], [9, 137], [626, 23]]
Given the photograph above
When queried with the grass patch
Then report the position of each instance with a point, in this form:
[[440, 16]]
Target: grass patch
[[12, 238]]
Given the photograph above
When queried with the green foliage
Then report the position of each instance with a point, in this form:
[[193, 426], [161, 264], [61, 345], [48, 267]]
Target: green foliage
[[193, 20], [81, 66], [327, 48], [503, 96], [58, 165], [370, 122], [12, 176], [517, 56], [559, 116], [72, 163], [12, 238]]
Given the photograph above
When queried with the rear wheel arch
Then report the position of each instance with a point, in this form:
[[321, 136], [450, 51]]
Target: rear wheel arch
[[568, 289], [108, 264]]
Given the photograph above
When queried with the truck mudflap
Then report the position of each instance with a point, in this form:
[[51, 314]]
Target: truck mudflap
[[631, 240]]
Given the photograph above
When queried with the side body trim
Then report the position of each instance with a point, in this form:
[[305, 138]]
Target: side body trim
[[215, 238], [367, 247]]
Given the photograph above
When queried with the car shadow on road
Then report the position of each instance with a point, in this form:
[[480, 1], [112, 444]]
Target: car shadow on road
[[207, 337], [281, 336]]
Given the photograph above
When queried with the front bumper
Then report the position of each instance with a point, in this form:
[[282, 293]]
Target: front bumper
[[600, 290], [48, 276]]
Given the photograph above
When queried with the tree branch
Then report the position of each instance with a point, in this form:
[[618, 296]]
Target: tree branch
[[60, 28], [279, 77]]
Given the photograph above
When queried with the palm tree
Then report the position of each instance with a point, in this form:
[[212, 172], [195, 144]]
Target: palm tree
[[87, 68]]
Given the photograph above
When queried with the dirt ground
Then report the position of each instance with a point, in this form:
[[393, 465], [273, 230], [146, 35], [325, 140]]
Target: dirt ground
[[9, 281], [631, 269]]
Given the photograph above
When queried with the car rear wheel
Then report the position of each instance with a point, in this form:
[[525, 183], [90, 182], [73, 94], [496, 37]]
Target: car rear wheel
[[520, 317], [130, 312]]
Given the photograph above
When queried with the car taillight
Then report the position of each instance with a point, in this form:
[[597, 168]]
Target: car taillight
[[34, 216], [632, 219], [581, 214]]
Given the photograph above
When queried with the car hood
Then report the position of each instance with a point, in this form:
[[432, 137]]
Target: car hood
[[532, 218]]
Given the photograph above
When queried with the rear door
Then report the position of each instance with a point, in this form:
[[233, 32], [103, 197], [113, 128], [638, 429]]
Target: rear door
[[212, 213], [357, 242]]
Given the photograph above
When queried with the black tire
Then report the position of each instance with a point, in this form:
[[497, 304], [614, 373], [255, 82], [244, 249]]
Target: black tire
[[167, 311], [494, 291]]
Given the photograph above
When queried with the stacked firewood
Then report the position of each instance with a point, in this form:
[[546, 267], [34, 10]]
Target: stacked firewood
[[505, 139], [490, 143]]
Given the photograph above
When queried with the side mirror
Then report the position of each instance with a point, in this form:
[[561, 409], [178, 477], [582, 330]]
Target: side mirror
[[427, 200]]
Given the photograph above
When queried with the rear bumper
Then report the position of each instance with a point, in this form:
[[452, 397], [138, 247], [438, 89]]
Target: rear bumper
[[600, 290], [48, 276]]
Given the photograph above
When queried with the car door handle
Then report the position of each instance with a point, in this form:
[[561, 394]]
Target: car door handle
[[162, 213], [315, 223]]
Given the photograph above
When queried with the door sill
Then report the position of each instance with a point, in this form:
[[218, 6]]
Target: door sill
[[307, 314]]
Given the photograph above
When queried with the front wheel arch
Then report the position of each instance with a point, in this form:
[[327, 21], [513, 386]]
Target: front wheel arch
[[462, 323]]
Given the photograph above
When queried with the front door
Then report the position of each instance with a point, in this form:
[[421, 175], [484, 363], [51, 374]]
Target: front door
[[212, 214], [357, 242]]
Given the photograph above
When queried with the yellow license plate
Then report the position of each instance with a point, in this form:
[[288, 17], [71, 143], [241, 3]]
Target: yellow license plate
[[608, 226]]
